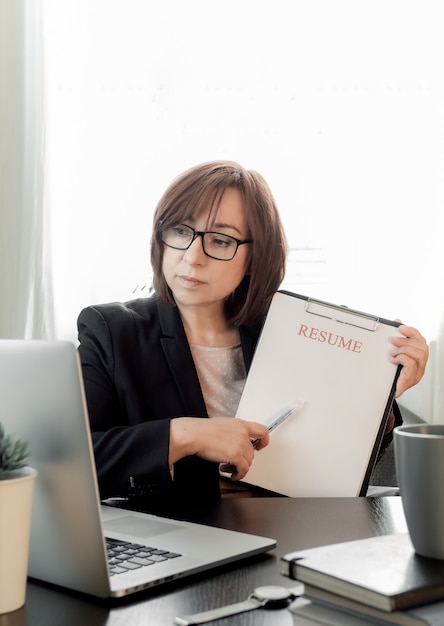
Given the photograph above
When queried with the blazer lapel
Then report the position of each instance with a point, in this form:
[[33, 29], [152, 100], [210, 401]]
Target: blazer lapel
[[180, 361], [249, 336]]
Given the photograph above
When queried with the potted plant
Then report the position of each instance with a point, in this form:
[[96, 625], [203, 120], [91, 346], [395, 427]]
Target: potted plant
[[16, 487]]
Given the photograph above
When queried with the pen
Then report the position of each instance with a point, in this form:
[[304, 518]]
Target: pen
[[281, 418], [278, 421]]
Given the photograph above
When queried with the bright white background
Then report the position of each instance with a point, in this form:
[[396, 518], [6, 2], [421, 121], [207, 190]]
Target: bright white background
[[339, 104]]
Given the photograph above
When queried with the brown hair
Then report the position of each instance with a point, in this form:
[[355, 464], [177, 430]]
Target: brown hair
[[200, 189]]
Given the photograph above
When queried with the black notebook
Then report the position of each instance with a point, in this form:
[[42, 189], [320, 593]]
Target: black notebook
[[317, 602], [382, 572]]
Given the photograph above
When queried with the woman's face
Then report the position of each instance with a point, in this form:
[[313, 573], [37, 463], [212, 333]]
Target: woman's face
[[197, 280]]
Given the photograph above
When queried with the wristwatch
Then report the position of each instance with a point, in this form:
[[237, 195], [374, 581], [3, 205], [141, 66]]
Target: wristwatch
[[267, 596]]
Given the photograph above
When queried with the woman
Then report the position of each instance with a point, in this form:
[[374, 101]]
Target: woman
[[155, 369]]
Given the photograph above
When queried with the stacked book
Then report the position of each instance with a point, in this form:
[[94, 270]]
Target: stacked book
[[379, 580]]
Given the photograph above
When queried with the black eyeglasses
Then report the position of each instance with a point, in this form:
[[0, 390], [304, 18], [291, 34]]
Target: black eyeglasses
[[215, 245]]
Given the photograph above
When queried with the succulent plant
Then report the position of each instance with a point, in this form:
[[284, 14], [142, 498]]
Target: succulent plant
[[14, 453]]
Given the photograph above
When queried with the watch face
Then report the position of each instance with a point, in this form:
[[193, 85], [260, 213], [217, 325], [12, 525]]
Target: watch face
[[272, 593]]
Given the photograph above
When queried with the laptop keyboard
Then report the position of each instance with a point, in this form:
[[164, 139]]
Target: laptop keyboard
[[124, 556]]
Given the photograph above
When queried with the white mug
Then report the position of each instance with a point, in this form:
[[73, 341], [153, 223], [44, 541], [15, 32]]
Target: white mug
[[419, 458]]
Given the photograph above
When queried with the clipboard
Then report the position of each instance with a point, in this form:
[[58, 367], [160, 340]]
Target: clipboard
[[333, 364]]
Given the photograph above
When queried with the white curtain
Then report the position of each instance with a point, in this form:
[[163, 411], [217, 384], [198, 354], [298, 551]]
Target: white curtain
[[25, 286], [339, 104]]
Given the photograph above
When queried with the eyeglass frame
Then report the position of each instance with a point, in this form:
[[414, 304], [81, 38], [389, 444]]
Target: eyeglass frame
[[201, 233]]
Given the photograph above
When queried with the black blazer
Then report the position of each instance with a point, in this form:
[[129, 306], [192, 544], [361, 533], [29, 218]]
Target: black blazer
[[138, 374]]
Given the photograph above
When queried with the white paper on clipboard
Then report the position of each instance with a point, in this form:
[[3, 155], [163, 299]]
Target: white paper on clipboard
[[338, 360]]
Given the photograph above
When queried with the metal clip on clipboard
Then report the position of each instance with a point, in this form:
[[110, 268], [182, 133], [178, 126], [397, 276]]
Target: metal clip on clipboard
[[342, 314]]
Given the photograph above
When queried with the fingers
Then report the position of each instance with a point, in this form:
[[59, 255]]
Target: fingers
[[227, 468], [242, 450], [238, 467], [412, 352], [260, 434], [237, 472], [410, 332], [229, 441], [224, 440]]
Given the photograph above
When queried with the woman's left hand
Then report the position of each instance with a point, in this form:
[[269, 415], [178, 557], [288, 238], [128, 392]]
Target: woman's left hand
[[412, 352]]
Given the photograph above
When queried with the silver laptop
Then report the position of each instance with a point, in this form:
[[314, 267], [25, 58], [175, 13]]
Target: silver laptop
[[42, 399]]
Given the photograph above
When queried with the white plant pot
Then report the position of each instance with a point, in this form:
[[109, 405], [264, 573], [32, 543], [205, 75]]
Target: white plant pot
[[15, 526]]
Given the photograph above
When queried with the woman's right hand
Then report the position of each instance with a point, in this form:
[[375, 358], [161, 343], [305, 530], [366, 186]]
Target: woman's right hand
[[224, 440]]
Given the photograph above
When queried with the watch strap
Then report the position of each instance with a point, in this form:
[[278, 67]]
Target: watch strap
[[224, 611]]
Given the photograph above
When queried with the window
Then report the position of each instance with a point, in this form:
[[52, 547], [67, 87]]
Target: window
[[338, 104]]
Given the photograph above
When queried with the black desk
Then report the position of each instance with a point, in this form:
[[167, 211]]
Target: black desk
[[296, 524]]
